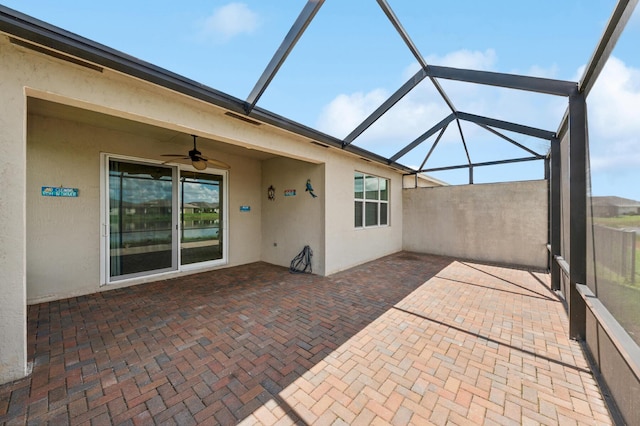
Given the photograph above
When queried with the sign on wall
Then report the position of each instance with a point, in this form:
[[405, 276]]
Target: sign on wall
[[53, 191]]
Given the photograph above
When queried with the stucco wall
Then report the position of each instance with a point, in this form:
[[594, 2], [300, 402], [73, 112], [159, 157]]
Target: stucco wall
[[503, 222], [59, 237], [347, 246], [289, 223], [419, 181], [337, 245], [13, 323], [63, 234], [40, 76]]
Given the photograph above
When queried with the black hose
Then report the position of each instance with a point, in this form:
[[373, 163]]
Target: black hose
[[302, 262]]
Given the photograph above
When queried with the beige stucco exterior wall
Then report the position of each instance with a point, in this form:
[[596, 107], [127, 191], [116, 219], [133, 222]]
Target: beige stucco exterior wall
[[13, 310], [63, 233], [338, 245], [419, 181], [289, 223], [57, 239], [41, 76], [347, 246], [503, 222]]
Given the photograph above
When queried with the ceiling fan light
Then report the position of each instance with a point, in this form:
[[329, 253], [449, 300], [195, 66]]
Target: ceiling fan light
[[199, 164]]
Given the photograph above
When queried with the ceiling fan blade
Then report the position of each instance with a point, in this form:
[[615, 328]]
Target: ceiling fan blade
[[173, 160], [217, 163], [196, 157]]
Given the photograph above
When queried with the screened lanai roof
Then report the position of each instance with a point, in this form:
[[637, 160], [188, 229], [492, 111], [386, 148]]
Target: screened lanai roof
[[381, 78]]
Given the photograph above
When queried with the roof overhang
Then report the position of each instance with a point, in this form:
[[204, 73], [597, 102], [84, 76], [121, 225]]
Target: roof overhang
[[43, 36]]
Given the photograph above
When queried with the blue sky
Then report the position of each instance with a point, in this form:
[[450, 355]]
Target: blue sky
[[350, 60]]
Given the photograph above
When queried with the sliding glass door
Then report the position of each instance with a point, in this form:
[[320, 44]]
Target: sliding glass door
[[160, 218], [141, 222], [201, 217]]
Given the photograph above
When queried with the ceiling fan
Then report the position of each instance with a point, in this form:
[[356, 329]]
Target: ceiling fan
[[197, 159]]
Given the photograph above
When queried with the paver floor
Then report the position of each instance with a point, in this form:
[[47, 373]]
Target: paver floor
[[407, 339]]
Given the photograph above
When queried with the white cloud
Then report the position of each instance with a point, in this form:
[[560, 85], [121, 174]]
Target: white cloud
[[423, 107], [614, 127], [229, 21], [346, 112], [613, 105], [196, 192], [467, 59], [538, 71]]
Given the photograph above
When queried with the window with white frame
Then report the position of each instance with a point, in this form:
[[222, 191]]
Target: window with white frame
[[371, 200]]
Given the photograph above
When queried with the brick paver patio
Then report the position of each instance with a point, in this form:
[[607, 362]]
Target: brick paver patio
[[407, 339]]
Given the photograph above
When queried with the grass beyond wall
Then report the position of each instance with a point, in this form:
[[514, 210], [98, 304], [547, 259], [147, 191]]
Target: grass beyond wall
[[621, 294]]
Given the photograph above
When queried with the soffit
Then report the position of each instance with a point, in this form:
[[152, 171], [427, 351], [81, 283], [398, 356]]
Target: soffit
[[180, 139]]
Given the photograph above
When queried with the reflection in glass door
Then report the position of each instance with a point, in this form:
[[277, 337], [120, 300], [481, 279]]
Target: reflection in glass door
[[201, 217], [141, 224]]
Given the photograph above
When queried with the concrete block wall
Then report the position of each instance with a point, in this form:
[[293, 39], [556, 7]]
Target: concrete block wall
[[504, 223]]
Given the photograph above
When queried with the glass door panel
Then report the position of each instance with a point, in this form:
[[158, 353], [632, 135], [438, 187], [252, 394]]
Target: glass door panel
[[201, 217], [141, 237]]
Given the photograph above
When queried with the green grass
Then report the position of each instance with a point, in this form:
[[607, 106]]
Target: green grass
[[200, 216], [627, 221], [623, 302], [637, 260], [609, 275], [620, 296], [619, 221]]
